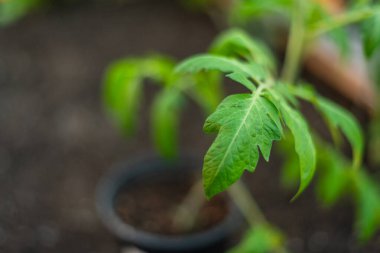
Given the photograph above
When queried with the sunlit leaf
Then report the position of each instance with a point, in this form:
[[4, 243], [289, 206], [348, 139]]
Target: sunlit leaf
[[213, 62], [245, 123]]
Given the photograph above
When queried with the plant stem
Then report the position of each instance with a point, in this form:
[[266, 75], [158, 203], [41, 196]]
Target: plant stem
[[295, 45], [187, 212], [249, 208], [246, 203]]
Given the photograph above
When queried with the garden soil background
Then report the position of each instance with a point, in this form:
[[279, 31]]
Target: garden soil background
[[56, 141]]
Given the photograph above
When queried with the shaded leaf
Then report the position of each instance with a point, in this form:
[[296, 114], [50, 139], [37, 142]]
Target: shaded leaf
[[340, 118], [207, 90], [368, 206], [123, 86], [290, 173], [158, 68], [335, 178], [342, 40], [240, 78], [165, 121], [245, 10], [304, 145], [260, 239], [371, 35], [12, 10], [336, 117], [236, 43], [332, 22], [122, 93]]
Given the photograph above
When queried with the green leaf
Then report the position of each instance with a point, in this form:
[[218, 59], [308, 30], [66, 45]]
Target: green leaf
[[207, 90], [12, 10], [260, 239], [158, 68], [290, 173], [123, 86], [244, 122], [122, 93], [165, 121], [341, 179], [303, 142], [287, 93], [371, 35], [368, 206], [330, 23], [340, 118], [341, 38], [245, 10], [211, 62], [335, 177], [240, 78], [336, 117], [374, 142], [236, 43]]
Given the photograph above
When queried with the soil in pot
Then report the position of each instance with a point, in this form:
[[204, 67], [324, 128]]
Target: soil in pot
[[151, 204]]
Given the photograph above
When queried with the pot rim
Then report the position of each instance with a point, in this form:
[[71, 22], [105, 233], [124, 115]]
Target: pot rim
[[119, 176]]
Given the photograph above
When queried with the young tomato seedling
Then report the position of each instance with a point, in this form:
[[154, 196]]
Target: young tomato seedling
[[247, 124]]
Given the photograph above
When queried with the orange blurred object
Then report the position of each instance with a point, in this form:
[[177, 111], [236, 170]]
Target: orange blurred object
[[333, 6]]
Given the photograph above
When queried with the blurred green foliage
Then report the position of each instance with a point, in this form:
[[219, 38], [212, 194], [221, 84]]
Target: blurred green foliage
[[336, 180], [318, 20], [261, 239], [123, 96], [248, 123], [12, 10]]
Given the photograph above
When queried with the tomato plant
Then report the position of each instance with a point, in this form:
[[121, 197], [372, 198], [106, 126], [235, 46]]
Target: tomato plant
[[248, 123]]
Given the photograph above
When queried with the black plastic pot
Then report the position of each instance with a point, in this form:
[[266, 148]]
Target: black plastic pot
[[212, 240]]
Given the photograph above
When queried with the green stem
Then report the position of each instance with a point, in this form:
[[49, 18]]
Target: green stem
[[246, 203], [249, 208], [187, 212], [295, 45]]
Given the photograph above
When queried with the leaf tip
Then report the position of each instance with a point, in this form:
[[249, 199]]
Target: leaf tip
[[209, 193]]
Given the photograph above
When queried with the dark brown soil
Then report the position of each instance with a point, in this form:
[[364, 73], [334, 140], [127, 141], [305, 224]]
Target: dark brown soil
[[151, 204]]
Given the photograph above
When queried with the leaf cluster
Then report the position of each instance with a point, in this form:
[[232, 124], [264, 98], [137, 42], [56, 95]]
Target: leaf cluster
[[319, 19], [123, 96], [247, 124], [336, 180]]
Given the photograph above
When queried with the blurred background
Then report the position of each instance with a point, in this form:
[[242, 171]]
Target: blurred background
[[56, 140]]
